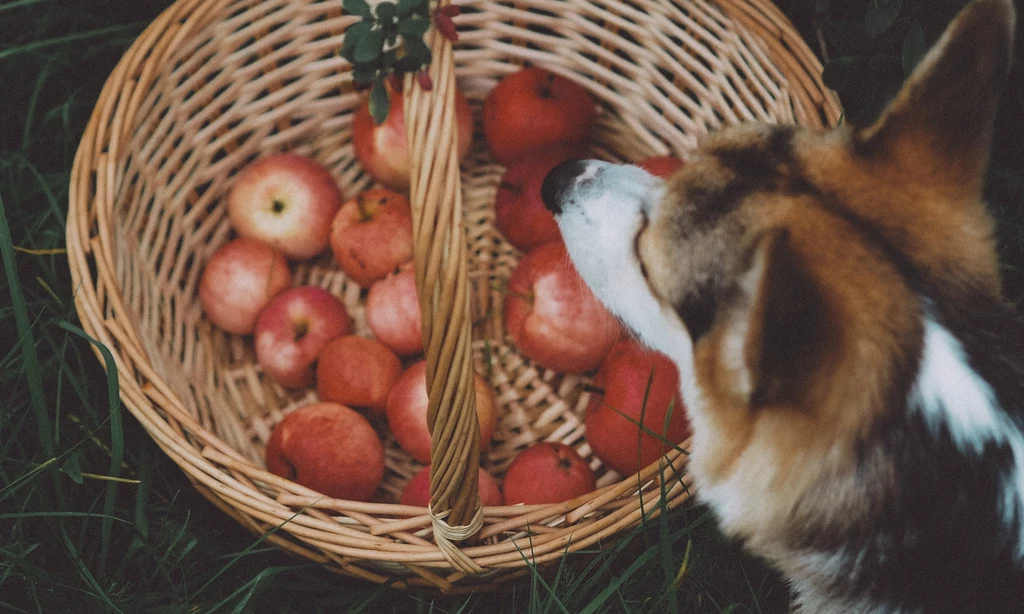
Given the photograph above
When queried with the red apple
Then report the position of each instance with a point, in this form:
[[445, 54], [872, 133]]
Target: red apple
[[292, 330], [417, 489], [384, 150], [407, 411], [533, 109], [661, 166], [330, 448], [239, 280], [357, 371], [548, 472], [286, 200], [553, 317], [640, 387], [520, 213], [372, 234], [393, 312]]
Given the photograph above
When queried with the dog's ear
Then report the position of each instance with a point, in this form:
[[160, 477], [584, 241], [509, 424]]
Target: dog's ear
[[780, 321], [938, 128]]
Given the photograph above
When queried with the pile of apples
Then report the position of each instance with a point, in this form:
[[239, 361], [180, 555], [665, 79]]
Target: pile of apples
[[286, 208]]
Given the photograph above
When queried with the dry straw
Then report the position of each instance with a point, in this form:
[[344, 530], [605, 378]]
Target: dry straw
[[212, 84]]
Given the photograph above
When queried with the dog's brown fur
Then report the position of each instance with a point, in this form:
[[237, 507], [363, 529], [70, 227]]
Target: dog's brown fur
[[842, 318], [807, 268]]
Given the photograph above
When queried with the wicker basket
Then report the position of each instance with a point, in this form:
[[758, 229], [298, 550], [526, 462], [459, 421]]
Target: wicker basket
[[212, 84]]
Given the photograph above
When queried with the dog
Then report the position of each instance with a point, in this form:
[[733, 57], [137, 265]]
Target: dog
[[853, 374]]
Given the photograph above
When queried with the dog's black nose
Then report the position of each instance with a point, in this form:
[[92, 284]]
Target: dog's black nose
[[557, 181]]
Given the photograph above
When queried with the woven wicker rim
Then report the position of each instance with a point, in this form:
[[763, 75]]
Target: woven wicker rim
[[777, 79]]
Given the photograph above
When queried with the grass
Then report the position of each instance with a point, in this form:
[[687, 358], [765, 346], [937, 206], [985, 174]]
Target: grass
[[96, 518]]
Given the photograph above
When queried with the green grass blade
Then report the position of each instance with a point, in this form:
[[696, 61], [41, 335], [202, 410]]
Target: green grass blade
[[9, 607], [52, 202], [245, 552], [17, 515], [70, 38], [17, 4], [536, 578], [84, 572], [612, 588], [665, 546], [249, 588], [371, 598], [33, 371], [116, 433], [32, 102], [9, 489]]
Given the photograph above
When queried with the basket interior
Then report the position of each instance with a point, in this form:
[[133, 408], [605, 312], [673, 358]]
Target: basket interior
[[259, 77]]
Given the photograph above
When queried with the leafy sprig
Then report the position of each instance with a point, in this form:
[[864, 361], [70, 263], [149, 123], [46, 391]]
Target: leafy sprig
[[388, 42]]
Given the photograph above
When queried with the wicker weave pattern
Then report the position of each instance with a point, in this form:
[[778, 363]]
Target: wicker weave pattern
[[212, 84]]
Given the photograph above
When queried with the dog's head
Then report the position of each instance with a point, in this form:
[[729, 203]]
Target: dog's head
[[787, 254]]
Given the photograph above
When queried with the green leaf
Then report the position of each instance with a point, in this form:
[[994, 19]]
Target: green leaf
[[369, 47], [914, 48], [380, 104], [413, 26], [72, 466], [881, 16], [363, 74], [416, 51], [355, 33], [408, 7], [358, 29], [357, 7], [386, 11]]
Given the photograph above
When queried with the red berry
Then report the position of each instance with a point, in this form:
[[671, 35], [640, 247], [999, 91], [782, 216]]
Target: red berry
[[425, 81], [446, 26], [395, 83]]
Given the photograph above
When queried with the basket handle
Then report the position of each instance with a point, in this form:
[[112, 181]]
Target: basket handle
[[439, 243]]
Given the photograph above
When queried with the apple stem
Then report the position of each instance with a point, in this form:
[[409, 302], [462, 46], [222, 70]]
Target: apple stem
[[365, 213], [301, 330], [564, 462], [277, 206], [545, 86]]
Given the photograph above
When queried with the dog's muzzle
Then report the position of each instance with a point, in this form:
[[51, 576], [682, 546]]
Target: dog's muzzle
[[559, 183]]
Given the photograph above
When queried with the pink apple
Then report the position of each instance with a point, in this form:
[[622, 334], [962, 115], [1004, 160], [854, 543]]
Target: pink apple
[[417, 489], [548, 472], [354, 370], [553, 317], [286, 200], [384, 150], [393, 312], [407, 411], [520, 213], [292, 330], [330, 448], [239, 280], [372, 235], [636, 386]]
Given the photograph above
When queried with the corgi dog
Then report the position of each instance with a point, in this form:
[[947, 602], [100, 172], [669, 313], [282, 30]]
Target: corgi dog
[[853, 374]]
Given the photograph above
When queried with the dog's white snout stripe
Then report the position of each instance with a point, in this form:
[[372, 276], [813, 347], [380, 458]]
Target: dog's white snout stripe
[[589, 172]]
